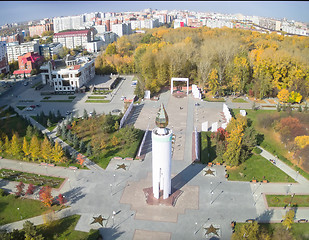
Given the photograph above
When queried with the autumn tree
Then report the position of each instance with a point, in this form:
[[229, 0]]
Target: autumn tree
[[289, 128], [247, 231], [294, 97], [34, 147], [235, 130], [288, 219], [7, 145], [61, 199], [57, 153], [45, 195], [115, 141], [80, 159], [15, 148], [213, 81], [31, 232], [284, 96], [26, 148], [46, 150], [20, 189], [30, 189], [302, 141]]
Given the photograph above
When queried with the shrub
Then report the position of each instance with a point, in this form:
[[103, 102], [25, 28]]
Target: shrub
[[257, 150]]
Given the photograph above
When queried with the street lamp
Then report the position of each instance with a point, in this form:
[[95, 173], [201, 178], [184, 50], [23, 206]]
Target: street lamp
[[114, 178], [195, 231], [211, 197], [111, 188], [19, 213]]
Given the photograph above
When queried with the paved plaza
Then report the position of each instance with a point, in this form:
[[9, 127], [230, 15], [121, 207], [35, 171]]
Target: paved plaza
[[117, 194]]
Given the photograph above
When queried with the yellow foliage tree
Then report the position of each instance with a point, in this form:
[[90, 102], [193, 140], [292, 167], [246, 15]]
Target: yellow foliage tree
[[58, 153], [115, 141], [288, 219], [35, 147], [213, 81], [46, 149], [283, 96], [295, 97], [302, 141], [26, 148]]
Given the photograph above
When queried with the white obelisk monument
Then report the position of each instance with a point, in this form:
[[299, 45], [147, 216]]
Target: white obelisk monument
[[161, 156]]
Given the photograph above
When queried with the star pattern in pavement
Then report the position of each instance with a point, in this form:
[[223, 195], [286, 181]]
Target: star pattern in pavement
[[123, 166], [209, 171], [99, 220], [212, 229]]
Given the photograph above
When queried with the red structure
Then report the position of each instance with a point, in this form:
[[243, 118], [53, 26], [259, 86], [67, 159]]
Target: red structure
[[28, 62]]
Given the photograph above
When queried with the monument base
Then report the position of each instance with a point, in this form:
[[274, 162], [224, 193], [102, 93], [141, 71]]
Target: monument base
[[170, 201]]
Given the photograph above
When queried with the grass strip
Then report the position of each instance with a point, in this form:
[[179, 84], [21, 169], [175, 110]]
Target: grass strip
[[21, 107], [97, 101], [239, 100], [285, 200], [96, 97]]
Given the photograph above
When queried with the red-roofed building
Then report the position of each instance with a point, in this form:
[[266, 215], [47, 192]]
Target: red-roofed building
[[28, 62], [73, 39]]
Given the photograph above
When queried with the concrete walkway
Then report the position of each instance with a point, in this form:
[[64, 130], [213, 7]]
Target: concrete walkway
[[259, 190]]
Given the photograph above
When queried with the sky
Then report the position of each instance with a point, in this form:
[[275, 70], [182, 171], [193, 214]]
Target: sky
[[19, 11]]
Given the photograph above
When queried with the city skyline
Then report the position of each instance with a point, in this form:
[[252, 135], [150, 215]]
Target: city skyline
[[14, 11]]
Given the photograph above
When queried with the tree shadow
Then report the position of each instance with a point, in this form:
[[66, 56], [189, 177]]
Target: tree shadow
[[265, 216], [186, 175], [74, 194], [259, 138], [110, 233]]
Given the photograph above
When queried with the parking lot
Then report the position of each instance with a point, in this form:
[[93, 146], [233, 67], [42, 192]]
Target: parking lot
[[24, 95]]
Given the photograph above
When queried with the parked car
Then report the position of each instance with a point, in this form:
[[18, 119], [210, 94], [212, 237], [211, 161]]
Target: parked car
[[122, 98], [25, 83], [29, 109], [32, 106]]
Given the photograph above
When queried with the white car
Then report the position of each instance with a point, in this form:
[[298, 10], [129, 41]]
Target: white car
[[29, 109], [122, 98]]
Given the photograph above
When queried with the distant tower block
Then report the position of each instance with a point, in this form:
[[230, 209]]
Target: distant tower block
[[161, 156]]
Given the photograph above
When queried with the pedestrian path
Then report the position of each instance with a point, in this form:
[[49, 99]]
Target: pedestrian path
[[260, 190]]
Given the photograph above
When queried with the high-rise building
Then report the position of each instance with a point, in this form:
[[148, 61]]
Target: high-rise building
[[39, 29], [14, 50], [122, 29], [4, 64], [70, 22], [73, 39]]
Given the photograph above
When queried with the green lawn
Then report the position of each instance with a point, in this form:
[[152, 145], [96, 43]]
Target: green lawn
[[101, 92], [17, 123], [72, 97], [46, 98], [205, 149], [256, 167], [35, 179], [63, 229], [213, 99], [269, 143], [96, 97], [300, 231], [284, 200], [27, 208], [104, 158], [97, 101], [239, 100]]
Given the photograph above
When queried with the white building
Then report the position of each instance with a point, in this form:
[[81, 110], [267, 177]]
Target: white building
[[135, 24], [4, 65], [14, 50], [218, 23], [122, 29], [150, 23], [68, 76], [94, 46], [70, 22], [106, 38], [73, 39]]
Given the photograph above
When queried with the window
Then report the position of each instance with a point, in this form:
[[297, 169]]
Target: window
[[65, 76], [56, 89], [56, 83], [78, 74]]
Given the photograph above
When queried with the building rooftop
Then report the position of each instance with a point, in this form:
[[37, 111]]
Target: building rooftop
[[71, 33]]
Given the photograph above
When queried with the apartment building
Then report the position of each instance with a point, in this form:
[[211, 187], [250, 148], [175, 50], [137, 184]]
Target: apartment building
[[39, 29], [28, 62], [14, 50], [4, 64], [73, 39], [18, 37], [122, 29], [48, 50], [69, 75], [70, 22]]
